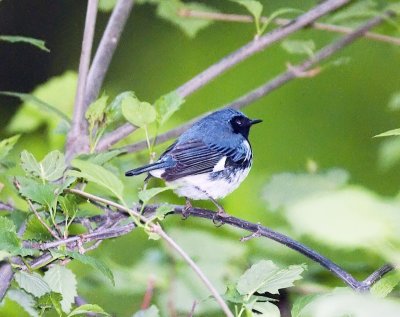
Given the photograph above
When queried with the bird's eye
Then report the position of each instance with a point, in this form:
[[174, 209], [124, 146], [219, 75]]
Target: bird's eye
[[239, 122]]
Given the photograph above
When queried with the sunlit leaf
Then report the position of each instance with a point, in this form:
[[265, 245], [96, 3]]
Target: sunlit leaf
[[357, 10], [100, 158], [88, 308], [51, 168], [96, 111], [49, 301], [32, 283], [107, 5], [306, 47], [385, 285], [38, 192], [167, 105], [23, 39], [265, 276], [147, 194], [393, 132], [98, 175], [300, 303], [137, 112], [152, 311], [61, 280], [7, 145], [266, 309], [25, 300], [163, 210]]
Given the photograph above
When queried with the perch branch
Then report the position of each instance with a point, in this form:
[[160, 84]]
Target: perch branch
[[77, 142], [278, 81], [217, 16], [234, 58]]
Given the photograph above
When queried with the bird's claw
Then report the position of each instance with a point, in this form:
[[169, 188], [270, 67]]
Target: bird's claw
[[220, 214], [186, 209]]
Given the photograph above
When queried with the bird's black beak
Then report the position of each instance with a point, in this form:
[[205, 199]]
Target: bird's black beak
[[255, 121]]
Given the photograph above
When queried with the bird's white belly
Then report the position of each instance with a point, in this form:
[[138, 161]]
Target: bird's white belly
[[201, 186]]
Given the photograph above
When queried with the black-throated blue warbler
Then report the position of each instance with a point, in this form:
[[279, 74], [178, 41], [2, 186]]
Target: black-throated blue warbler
[[209, 160]]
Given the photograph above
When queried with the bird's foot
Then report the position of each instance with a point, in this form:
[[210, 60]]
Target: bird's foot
[[220, 214], [186, 209]]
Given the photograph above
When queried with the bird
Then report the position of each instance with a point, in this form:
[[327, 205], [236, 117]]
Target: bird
[[208, 161]]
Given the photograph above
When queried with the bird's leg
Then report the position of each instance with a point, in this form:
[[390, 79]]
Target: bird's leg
[[186, 209], [221, 211]]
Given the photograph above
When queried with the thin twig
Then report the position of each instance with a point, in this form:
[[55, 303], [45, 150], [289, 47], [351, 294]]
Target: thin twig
[[77, 136], [232, 59], [278, 81], [227, 17], [157, 229], [5, 206], [106, 49], [257, 45], [148, 295]]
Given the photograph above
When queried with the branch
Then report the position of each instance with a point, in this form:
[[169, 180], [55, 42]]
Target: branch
[[292, 73], [216, 16], [257, 45], [106, 49], [5, 206], [77, 137], [231, 60]]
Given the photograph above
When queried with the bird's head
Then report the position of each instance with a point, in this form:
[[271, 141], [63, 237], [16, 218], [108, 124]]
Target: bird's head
[[236, 121]]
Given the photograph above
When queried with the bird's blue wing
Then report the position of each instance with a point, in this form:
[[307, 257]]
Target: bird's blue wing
[[196, 157]]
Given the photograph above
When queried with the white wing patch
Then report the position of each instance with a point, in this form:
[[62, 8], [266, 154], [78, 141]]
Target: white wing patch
[[220, 166]]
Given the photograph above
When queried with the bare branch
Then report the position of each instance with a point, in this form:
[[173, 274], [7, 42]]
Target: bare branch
[[77, 136], [5, 206], [106, 49], [278, 81], [115, 136], [217, 16], [257, 45]]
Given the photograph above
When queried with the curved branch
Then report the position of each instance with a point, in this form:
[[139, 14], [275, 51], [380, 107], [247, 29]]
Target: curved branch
[[292, 73]]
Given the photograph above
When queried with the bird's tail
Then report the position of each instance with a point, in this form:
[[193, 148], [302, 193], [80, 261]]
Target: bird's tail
[[148, 168]]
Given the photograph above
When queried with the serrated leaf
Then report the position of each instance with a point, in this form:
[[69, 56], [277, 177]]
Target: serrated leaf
[[265, 276], [9, 240], [32, 283], [393, 132], [62, 280], [152, 311], [7, 224], [98, 175], [306, 47], [93, 262], [38, 192], [169, 9], [100, 158], [51, 168], [6, 146], [35, 230], [137, 112], [88, 308], [266, 309], [167, 105], [385, 285], [49, 301], [25, 300], [163, 210], [147, 194], [23, 39]]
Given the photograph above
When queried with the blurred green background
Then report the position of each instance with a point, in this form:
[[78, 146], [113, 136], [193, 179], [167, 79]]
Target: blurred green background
[[329, 119]]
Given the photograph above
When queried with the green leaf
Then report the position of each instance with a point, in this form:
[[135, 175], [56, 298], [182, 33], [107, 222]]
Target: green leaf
[[385, 285], [32, 283], [265, 276], [88, 308], [152, 311], [69, 205], [306, 47], [100, 158], [96, 111], [254, 7], [51, 168], [301, 303], [357, 10], [147, 194], [266, 309], [40, 193], [7, 145], [59, 92], [347, 218], [286, 189], [35, 230], [167, 105], [31, 99], [93, 262], [169, 10], [25, 300], [137, 112], [107, 5], [23, 39], [9, 240], [394, 102], [163, 210], [62, 280], [114, 114], [98, 175], [49, 301], [389, 153], [388, 133]]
